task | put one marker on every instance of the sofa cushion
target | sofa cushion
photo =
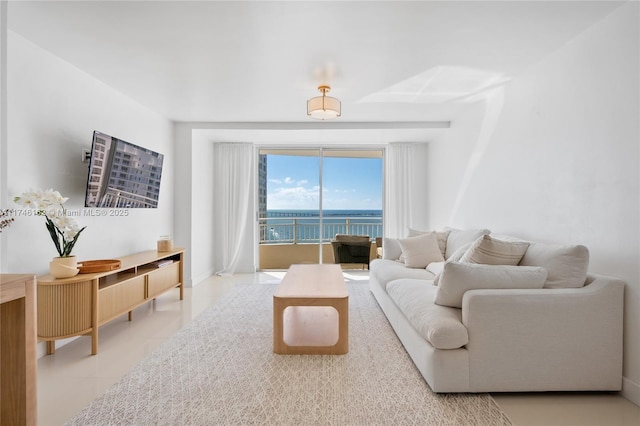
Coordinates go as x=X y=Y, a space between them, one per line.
x=439 y=325
x=442 y=238
x=420 y=251
x=566 y=265
x=391 y=249
x=492 y=251
x=458 y=238
x=457 y=277
x=384 y=270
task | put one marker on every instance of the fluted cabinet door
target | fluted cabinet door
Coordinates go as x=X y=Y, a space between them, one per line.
x=64 y=310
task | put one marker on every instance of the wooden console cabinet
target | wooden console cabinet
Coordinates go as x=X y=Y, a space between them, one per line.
x=80 y=305
x=18 y=363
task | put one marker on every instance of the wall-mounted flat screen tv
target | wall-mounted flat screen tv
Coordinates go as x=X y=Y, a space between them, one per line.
x=122 y=175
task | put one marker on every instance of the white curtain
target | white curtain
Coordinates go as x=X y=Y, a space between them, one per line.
x=398 y=189
x=234 y=172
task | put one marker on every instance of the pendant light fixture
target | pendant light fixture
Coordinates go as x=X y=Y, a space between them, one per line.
x=323 y=107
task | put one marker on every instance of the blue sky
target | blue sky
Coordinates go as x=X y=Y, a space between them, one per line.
x=348 y=183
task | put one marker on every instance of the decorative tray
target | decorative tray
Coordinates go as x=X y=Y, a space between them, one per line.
x=92 y=266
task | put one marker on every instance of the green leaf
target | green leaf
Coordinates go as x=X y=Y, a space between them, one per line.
x=68 y=247
x=53 y=231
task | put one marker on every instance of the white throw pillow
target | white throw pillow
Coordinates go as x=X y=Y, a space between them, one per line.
x=420 y=251
x=566 y=265
x=458 y=238
x=442 y=238
x=456 y=278
x=457 y=255
x=491 y=251
x=435 y=268
x=391 y=248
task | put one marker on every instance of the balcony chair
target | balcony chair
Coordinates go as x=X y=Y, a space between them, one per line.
x=351 y=249
x=378 y=247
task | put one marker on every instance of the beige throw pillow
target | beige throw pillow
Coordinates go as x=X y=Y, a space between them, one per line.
x=459 y=237
x=490 y=251
x=442 y=238
x=420 y=251
x=566 y=265
x=457 y=278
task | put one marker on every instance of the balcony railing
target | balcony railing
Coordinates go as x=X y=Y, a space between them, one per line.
x=294 y=230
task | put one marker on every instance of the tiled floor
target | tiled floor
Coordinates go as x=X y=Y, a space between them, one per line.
x=71 y=378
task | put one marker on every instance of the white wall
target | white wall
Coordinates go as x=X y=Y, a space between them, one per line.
x=183 y=184
x=53 y=109
x=194 y=218
x=202 y=215
x=554 y=156
x=3 y=124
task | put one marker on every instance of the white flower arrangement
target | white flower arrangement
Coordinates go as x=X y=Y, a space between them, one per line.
x=64 y=231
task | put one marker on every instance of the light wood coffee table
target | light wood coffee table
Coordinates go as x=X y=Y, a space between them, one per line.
x=311 y=311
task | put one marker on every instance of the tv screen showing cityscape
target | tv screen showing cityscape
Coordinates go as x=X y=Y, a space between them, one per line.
x=122 y=175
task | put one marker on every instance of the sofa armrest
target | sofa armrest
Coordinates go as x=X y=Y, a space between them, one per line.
x=546 y=339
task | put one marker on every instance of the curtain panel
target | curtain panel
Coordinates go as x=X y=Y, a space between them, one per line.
x=399 y=183
x=234 y=181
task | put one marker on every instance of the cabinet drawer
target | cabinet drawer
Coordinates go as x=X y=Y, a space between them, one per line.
x=120 y=298
x=163 y=279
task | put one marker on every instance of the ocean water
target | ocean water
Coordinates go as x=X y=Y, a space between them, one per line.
x=303 y=226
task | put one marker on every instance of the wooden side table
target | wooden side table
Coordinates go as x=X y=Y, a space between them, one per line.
x=18 y=358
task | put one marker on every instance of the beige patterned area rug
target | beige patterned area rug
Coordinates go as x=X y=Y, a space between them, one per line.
x=221 y=370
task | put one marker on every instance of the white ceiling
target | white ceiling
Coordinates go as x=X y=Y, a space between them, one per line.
x=258 y=61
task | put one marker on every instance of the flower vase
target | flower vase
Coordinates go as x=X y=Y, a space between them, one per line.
x=64 y=267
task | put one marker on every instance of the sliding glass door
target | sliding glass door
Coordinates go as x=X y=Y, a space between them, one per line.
x=352 y=193
x=306 y=196
x=288 y=207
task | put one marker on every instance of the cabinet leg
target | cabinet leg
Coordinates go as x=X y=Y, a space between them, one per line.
x=130 y=315
x=51 y=347
x=94 y=342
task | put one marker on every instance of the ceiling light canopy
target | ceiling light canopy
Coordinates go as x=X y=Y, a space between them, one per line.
x=323 y=107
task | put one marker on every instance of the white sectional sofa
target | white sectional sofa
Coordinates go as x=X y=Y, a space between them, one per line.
x=541 y=324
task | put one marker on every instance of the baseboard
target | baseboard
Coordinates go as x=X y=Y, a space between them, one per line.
x=631 y=391
x=201 y=277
